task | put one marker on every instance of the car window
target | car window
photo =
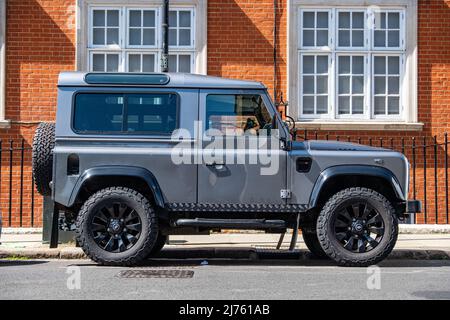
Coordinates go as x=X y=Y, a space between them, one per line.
x=126 y=113
x=237 y=115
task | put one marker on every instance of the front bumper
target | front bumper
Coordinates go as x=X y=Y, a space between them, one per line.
x=413 y=206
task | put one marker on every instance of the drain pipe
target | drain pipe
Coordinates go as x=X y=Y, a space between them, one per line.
x=165 y=37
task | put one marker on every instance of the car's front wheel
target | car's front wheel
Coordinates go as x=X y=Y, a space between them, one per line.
x=357 y=227
x=117 y=226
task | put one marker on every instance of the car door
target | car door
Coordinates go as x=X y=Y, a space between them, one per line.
x=239 y=161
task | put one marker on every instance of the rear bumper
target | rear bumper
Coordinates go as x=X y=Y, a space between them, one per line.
x=413 y=206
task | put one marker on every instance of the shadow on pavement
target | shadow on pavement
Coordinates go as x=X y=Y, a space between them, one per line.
x=12 y=262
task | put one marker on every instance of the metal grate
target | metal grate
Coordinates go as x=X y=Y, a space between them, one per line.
x=178 y=274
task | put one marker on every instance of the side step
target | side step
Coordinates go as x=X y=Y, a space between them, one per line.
x=232 y=223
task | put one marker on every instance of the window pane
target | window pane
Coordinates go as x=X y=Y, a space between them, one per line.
x=99 y=36
x=394 y=39
x=358 y=20
x=113 y=36
x=185 y=37
x=152 y=113
x=322 y=20
x=99 y=18
x=380 y=105
x=344 y=65
x=344 y=20
x=308 y=85
x=135 y=37
x=358 y=65
x=322 y=85
x=173 y=64
x=149 y=37
x=358 y=85
x=322 y=64
x=380 y=38
x=185 y=19
x=358 y=105
x=98 y=112
x=344 y=105
x=322 y=38
x=148 y=63
x=98 y=62
x=308 y=105
x=393 y=105
x=112 y=63
x=135 y=18
x=149 y=18
x=344 y=38
x=308 y=64
x=173 y=23
x=308 y=20
x=322 y=105
x=185 y=63
x=380 y=85
x=394 y=85
x=394 y=20
x=380 y=65
x=358 y=38
x=134 y=63
x=173 y=39
x=308 y=38
x=394 y=65
x=113 y=18
x=344 y=85
x=236 y=114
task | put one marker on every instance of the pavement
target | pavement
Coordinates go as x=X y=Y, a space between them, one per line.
x=223 y=279
x=433 y=246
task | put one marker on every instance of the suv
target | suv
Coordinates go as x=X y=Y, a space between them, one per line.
x=134 y=158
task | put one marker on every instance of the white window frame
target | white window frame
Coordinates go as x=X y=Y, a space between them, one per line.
x=192 y=28
x=366 y=33
x=91 y=28
x=127 y=27
x=106 y=52
x=198 y=49
x=3 y=122
x=409 y=76
x=141 y=55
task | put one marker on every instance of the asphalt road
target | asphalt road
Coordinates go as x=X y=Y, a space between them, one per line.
x=224 y=279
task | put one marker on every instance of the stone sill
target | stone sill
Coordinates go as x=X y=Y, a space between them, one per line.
x=359 y=126
x=5 y=124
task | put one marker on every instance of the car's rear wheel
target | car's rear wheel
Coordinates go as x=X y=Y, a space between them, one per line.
x=117 y=226
x=357 y=227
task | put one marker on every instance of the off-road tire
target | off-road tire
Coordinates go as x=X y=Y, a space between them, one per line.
x=313 y=245
x=159 y=245
x=147 y=239
x=333 y=248
x=43 y=145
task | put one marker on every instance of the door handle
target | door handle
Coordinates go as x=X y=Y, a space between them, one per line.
x=214 y=164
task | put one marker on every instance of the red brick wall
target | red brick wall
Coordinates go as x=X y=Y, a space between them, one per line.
x=41 y=43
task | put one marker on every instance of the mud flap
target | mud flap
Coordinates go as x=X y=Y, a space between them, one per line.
x=54 y=234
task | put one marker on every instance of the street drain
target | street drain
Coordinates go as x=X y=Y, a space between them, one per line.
x=176 y=274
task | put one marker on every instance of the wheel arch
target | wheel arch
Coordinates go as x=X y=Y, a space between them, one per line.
x=97 y=178
x=335 y=179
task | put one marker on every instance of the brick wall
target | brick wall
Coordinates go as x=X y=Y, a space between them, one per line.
x=41 y=43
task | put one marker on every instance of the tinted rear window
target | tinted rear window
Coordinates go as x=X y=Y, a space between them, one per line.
x=126 y=113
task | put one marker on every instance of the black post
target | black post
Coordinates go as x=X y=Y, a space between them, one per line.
x=425 y=178
x=446 y=177
x=11 y=149
x=22 y=155
x=436 y=211
x=165 y=37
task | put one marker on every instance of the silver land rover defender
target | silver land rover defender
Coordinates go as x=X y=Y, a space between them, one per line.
x=134 y=158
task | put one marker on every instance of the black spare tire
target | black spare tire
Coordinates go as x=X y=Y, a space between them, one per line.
x=43 y=144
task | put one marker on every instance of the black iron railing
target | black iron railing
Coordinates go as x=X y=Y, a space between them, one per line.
x=21 y=205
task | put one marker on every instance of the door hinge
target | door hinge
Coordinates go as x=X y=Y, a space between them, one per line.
x=285 y=194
